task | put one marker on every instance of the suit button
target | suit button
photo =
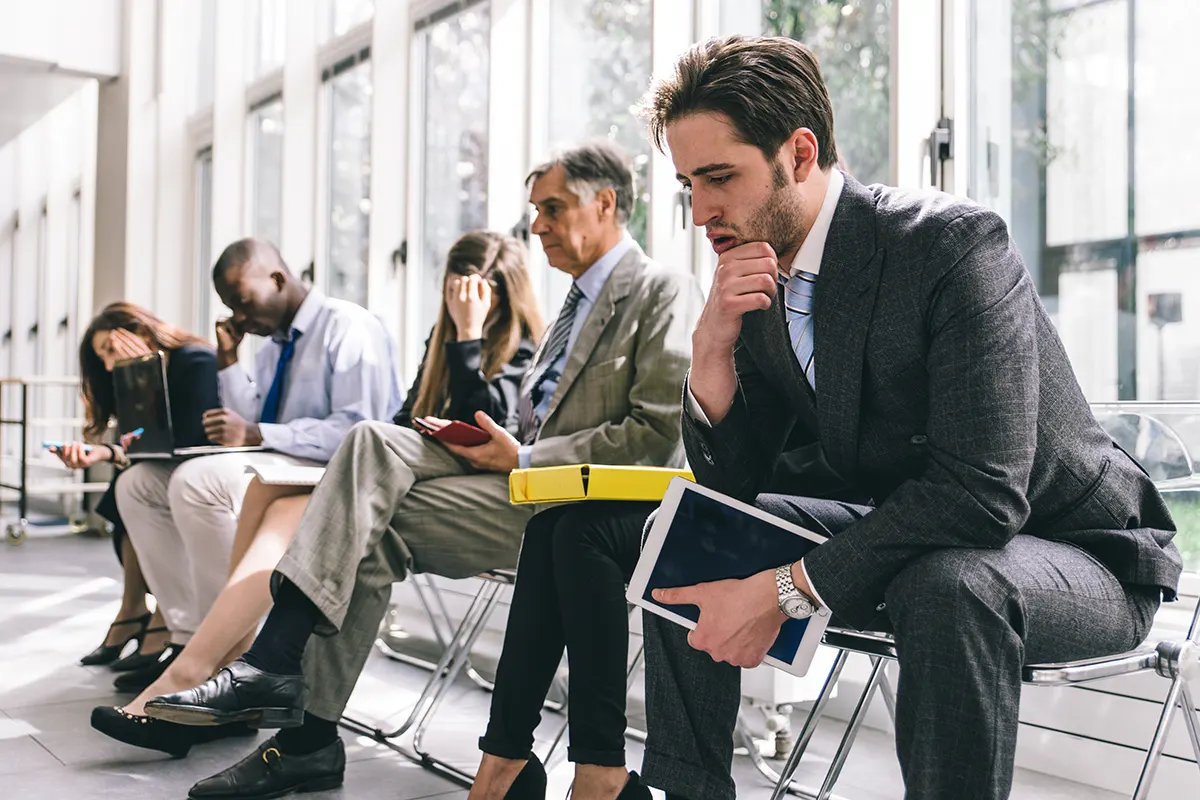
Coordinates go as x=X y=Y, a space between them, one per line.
x=881 y=607
x=920 y=438
x=708 y=457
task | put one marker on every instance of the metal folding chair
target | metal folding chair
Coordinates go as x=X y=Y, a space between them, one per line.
x=455 y=655
x=1177 y=661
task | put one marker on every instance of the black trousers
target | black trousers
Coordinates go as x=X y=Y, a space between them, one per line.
x=965 y=622
x=570 y=592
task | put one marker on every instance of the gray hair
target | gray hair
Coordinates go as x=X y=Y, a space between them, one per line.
x=590 y=168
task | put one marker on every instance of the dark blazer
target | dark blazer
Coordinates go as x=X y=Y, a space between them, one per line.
x=944 y=397
x=470 y=390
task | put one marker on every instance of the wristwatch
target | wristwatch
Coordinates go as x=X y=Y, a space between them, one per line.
x=792 y=602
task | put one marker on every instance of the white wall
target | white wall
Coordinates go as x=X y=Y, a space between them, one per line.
x=43 y=168
x=79 y=36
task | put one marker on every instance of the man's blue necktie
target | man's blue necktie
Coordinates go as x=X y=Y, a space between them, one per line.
x=270 y=409
x=798 y=301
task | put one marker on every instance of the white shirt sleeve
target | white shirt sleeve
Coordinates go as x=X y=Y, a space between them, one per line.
x=813 y=589
x=239 y=393
x=694 y=410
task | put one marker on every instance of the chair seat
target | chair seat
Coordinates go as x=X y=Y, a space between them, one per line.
x=882 y=645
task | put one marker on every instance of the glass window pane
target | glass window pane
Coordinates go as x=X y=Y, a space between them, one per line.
x=345 y=14
x=270 y=41
x=852 y=40
x=349 y=203
x=1087 y=90
x=454 y=163
x=600 y=50
x=1166 y=152
x=267 y=187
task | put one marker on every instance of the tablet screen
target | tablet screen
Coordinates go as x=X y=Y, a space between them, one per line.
x=709 y=541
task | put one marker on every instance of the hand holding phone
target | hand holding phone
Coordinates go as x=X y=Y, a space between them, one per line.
x=76 y=455
x=452 y=431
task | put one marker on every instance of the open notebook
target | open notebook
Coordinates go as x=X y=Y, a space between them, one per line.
x=287 y=474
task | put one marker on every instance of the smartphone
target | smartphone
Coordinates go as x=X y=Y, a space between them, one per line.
x=454 y=432
x=87 y=448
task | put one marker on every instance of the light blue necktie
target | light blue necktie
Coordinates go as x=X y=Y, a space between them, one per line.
x=798 y=301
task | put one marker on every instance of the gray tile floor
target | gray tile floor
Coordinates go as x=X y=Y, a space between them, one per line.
x=58 y=593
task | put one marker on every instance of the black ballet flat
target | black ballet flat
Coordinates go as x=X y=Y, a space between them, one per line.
x=136 y=660
x=155 y=734
x=108 y=653
x=530 y=783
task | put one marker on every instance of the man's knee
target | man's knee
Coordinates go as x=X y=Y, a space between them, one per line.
x=141 y=484
x=210 y=481
x=947 y=587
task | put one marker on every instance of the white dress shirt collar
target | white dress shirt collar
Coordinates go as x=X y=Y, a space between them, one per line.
x=808 y=258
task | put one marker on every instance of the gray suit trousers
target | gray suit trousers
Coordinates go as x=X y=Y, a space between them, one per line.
x=391 y=502
x=965 y=621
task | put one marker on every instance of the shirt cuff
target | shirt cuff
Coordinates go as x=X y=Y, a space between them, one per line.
x=276 y=436
x=811 y=588
x=695 y=411
x=524 y=456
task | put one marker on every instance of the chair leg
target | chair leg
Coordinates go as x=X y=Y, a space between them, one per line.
x=1190 y=717
x=889 y=695
x=1154 y=753
x=783 y=781
x=856 y=721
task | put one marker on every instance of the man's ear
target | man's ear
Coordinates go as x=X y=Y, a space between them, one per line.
x=802 y=145
x=279 y=279
x=606 y=200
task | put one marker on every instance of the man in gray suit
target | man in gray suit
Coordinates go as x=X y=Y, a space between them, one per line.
x=604 y=388
x=895 y=343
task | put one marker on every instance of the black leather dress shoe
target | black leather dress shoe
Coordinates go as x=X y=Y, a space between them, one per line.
x=138 y=679
x=238 y=693
x=154 y=734
x=267 y=773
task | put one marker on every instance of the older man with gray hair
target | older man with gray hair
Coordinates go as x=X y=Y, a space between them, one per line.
x=605 y=388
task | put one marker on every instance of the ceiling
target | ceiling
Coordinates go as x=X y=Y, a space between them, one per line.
x=28 y=91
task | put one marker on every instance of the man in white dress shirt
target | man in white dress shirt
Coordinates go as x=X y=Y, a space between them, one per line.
x=326 y=366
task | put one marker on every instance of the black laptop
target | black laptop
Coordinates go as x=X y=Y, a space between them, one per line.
x=142 y=401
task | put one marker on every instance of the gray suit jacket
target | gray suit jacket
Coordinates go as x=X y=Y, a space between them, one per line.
x=944 y=397
x=618 y=399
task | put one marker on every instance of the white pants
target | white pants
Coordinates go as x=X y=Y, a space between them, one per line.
x=181 y=518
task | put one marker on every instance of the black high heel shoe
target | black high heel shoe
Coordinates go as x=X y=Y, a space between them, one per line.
x=138 y=660
x=155 y=734
x=530 y=783
x=139 y=679
x=107 y=653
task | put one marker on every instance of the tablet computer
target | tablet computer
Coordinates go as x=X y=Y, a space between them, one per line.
x=699 y=535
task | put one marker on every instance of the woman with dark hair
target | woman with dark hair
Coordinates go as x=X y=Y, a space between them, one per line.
x=123 y=331
x=480 y=348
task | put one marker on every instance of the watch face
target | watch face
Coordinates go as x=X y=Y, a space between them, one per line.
x=797 y=608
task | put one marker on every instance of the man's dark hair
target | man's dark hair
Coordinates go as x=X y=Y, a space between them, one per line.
x=593 y=166
x=767 y=86
x=246 y=251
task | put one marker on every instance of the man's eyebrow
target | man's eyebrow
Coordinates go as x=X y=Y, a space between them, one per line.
x=707 y=169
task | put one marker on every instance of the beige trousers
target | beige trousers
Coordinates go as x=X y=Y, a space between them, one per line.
x=181 y=517
x=391 y=502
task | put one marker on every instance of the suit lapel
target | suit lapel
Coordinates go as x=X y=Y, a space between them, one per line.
x=843 y=302
x=616 y=289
